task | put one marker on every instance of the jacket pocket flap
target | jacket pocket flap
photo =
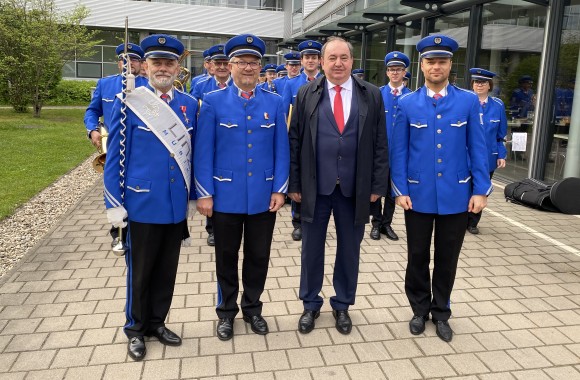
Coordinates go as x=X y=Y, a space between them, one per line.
x=413 y=177
x=138 y=185
x=464 y=177
x=269 y=173
x=108 y=100
x=228 y=124
x=268 y=125
x=461 y=121
x=223 y=175
x=418 y=123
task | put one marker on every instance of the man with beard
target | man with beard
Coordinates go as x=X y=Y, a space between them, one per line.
x=147 y=179
x=101 y=106
x=439 y=172
x=241 y=176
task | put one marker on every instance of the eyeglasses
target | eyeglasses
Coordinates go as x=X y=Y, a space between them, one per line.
x=243 y=64
x=221 y=63
x=395 y=71
x=480 y=82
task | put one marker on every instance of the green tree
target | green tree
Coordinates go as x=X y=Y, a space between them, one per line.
x=35 y=42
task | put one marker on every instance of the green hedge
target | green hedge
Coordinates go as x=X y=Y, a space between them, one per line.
x=72 y=93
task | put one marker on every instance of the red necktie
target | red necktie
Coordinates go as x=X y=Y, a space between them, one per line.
x=482 y=103
x=247 y=95
x=437 y=96
x=395 y=92
x=165 y=98
x=338 y=111
x=221 y=85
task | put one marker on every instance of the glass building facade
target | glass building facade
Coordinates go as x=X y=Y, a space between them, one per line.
x=514 y=38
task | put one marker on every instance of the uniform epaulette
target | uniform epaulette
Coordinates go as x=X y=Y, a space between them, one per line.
x=497 y=100
x=263 y=89
x=407 y=94
x=203 y=80
x=111 y=76
x=467 y=91
x=185 y=93
x=219 y=89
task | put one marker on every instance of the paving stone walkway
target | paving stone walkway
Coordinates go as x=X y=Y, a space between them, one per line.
x=516 y=309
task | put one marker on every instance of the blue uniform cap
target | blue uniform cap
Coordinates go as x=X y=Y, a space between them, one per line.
x=437 y=45
x=206 y=55
x=263 y=71
x=408 y=75
x=396 y=58
x=481 y=74
x=280 y=68
x=525 y=78
x=133 y=50
x=245 y=44
x=310 y=47
x=162 y=46
x=270 y=67
x=292 y=58
x=358 y=71
x=217 y=52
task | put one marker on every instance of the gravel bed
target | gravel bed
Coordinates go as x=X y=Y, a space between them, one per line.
x=31 y=221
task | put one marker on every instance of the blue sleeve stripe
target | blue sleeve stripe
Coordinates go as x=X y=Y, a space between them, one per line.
x=203 y=192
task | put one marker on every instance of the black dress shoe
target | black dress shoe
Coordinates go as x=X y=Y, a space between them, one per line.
x=443 y=330
x=257 y=323
x=136 y=348
x=297 y=234
x=166 y=336
x=210 y=240
x=375 y=233
x=225 y=328
x=417 y=324
x=389 y=232
x=343 y=322
x=306 y=322
x=473 y=230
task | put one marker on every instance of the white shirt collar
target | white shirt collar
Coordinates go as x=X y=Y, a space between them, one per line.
x=345 y=86
x=170 y=93
x=399 y=89
x=443 y=92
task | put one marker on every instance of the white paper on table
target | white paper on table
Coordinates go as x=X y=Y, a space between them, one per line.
x=519 y=141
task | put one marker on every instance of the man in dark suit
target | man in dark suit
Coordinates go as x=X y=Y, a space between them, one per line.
x=338 y=162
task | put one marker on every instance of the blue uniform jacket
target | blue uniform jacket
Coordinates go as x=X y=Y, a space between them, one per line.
x=241 y=154
x=155 y=190
x=391 y=101
x=522 y=102
x=103 y=99
x=438 y=151
x=195 y=80
x=206 y=85
x=279 y=84
x=495 y=127
x=270 y=87
x=291 y=89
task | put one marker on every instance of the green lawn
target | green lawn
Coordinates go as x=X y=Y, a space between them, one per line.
x=34 y=152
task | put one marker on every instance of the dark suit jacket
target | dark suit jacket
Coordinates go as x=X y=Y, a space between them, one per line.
x=372 y=166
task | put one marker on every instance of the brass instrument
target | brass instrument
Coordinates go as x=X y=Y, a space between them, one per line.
x=184 y=74
x=99 y=161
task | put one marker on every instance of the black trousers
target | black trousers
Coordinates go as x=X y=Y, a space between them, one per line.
x=151 y=261
x=384 y=217
x=426 y=296
x=257 y=232
x=295 y=207
x=473 y=219
x=208 y=225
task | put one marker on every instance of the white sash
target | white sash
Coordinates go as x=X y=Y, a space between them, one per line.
x=165 y=124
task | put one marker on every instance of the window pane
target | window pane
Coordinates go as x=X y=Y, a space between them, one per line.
x=88 y=70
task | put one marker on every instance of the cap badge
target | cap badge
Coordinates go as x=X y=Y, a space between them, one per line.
x=395 y=55
x=161 y=40
x=479 y=71
x=310 y=44
x=249 y=40
x=129 y=46
x=220 y=48
x=437 y=40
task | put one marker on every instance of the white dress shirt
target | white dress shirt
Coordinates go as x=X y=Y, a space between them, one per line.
x=345 y=92
x=443 y=92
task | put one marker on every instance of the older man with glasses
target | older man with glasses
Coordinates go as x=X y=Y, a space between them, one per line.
x=241 y=180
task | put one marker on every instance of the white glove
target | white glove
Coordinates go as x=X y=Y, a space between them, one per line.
x=186 y=242
x=191 y=208
x=116 y=216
